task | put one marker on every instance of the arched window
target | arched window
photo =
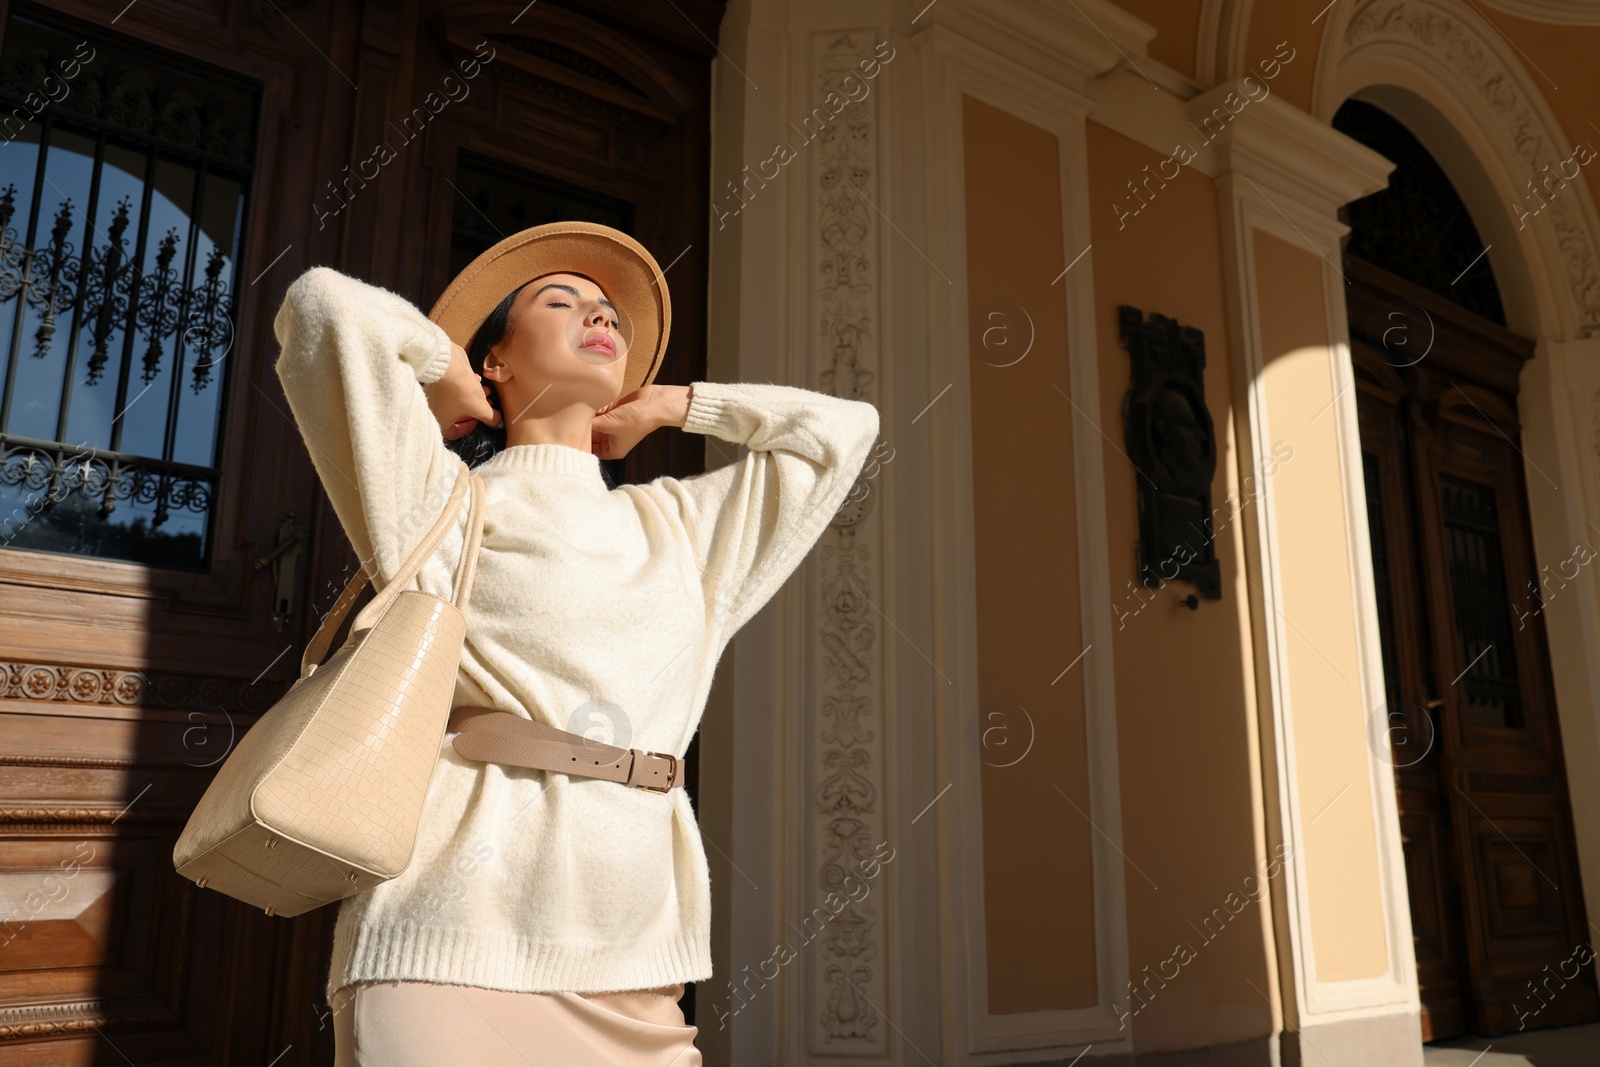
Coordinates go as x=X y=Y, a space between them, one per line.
x=123 y=180
x=1418 y=228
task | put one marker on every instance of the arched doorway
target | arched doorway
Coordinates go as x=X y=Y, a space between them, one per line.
x=1497 y=909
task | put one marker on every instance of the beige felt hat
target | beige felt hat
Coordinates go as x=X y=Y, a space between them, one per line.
x=614 y=261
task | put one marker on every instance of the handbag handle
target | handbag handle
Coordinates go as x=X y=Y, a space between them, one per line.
x=466 y=569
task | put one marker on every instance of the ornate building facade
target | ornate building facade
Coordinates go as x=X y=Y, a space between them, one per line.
x=1202 y=670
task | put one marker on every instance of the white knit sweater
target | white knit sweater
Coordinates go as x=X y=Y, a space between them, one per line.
x=603 y=612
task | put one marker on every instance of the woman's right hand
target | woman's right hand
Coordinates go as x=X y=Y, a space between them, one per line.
x=459 y=400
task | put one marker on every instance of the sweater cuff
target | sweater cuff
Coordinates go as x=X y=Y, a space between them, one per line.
x=708 y=411
x=429 y=355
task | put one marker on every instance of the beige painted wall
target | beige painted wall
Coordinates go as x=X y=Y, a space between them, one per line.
x=1038 y=875
x=1559 y=59
x=1191 y=794
x=1177 y=24
x=1289 y=21
x=1331 y=748
x=1192 y=815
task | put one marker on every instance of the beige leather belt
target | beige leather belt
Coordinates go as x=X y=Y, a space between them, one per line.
x=493 y=736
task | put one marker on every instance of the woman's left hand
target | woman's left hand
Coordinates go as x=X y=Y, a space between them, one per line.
x=625 y=421
x=459 y=399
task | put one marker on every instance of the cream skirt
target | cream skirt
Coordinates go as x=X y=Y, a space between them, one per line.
x=423 y=1024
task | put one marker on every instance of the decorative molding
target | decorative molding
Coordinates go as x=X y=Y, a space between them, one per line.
x=1086 y=39
x=1303 y=161
x=1219 y=49
x=624 y=83
x=50 y=1020
x=544 y=89
x=270 y=17
x=1248 y=209
x=1559 y=406
x=121 y=86
x=845 y=977
x=68 y=815
x=954 y=65
x=32 y=1021
x=1559 y=12
x=105 y=763
x=1469 y=52
x=575 y=59
x=70 y=684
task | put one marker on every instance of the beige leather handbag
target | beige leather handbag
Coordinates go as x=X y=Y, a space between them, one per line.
x=323 y=795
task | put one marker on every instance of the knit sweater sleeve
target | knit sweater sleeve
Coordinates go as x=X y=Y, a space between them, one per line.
x=354 y=358
x=751 y=522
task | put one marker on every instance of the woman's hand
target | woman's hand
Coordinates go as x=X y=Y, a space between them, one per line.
x=625 y=421
x=460 y=400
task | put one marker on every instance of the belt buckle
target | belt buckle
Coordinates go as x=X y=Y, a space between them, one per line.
x=672 y=773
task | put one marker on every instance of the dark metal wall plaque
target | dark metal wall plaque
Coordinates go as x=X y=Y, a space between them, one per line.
x=1173 y=448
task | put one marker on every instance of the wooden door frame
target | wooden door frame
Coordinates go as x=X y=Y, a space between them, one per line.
x=113 y=732
x=110 y=759
x=214 y=609
x=1483 y=363
x=1413 y=729
x=1471 y=99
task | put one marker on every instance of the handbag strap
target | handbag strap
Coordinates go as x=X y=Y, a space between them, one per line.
x=466 y=566
x=466 y=570
x=493 y=736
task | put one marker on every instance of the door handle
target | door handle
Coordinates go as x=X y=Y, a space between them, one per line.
x=283 y=559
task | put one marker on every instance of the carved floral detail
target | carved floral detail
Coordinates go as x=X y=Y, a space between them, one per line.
x=846 y=799
x=1462 y=49
x=107 y=686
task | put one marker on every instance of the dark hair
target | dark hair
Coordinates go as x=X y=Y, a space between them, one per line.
x=485 y=441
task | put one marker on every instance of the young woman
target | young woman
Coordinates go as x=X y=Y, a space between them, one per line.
x=550 y=918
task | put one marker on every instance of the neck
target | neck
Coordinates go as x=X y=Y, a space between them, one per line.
x=572 y=426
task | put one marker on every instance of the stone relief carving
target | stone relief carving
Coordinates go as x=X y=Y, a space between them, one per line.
x=849 y=752
x=1462 y=49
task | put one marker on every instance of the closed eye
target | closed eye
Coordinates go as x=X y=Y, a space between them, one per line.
x=615 y=325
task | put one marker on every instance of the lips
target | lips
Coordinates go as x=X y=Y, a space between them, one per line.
x=600 y=341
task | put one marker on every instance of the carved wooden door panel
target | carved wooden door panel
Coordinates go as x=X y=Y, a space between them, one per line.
x=1491 y=862
x=164 y=175
x=1410 y=716
x=154 y=562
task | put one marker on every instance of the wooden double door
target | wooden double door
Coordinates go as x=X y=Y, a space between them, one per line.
x=1501 y=937
x=165 y=549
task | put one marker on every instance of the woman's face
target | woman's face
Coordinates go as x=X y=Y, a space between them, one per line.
x=563 y=345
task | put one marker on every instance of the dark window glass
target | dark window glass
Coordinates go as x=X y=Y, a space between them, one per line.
x=1482 y=605
x=1377 y=526
x=1418 y=227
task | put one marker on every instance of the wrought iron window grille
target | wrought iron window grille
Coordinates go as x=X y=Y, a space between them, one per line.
x=132 y=291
